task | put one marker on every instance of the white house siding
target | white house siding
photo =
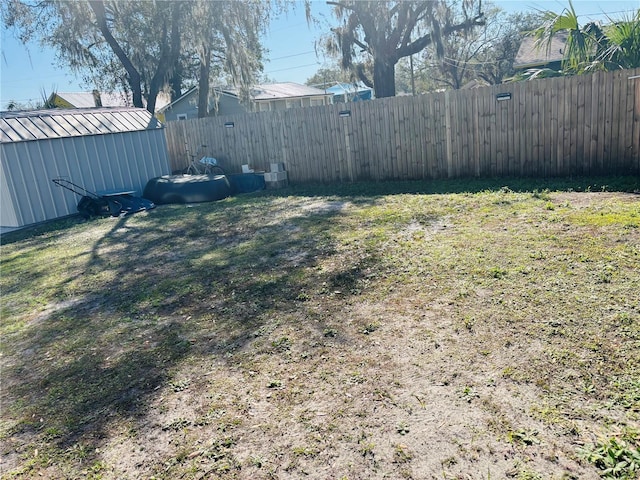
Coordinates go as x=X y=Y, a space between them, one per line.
x=97 y=162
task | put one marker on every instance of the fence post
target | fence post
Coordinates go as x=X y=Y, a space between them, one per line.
x=447 y=123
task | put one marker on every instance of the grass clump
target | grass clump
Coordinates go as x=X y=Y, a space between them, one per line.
x=616 y=457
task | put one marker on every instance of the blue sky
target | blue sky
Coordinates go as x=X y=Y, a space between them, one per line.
x=25 y=71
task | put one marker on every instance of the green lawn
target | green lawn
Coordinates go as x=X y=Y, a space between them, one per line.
x=445 y=330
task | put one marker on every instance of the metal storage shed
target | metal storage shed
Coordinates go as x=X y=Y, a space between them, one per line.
x=98 y=148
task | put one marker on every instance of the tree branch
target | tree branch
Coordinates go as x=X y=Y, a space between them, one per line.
x=134 y=76
x=422 y=42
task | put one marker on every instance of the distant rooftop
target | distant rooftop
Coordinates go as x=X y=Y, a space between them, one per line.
x=99 y=99
x=279 y=91
x=530 y=56
x=21 y=126
x=88 y=99
x=342 y=87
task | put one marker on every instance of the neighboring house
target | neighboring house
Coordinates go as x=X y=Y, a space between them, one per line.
x=186 y=107
x=531 y=56
x=475 y=83
x=98 y=99
x=348 y=92
x=97 y=148
x=280 y=96
x=226 y=100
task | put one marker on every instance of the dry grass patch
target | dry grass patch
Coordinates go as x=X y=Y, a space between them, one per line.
x=339 y=334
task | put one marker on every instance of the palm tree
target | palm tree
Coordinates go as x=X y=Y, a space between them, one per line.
x=624 y=42
x=592 y=46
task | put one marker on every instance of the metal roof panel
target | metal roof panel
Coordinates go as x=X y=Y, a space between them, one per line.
x=45 y=130
x=62 y=123
x=77 y=122
x=24 y=132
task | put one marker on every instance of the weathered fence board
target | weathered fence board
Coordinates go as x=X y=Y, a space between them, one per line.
x=636 y=123
x=552 y=127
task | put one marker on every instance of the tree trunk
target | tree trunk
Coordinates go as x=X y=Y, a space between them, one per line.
x=133 y=77
x=168 y=58
x=203 y=82
x=175 y=82
x=384 y=78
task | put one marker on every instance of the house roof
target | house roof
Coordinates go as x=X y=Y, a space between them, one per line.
x=23 y=126
x=88 y=99
x=107 y=99
x=531 y=56
x=181 y=98
x=341 y=88
x=350 y=91
x=286 y=90
x=260 y=93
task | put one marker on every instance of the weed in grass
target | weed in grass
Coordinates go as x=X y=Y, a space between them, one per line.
x=282 y=344
x=468 y=323
x=541 y=194
x=370 y=328
x=626 y=392
x=179 y=385
x=178 y=424
x=616 y=457
x=497 y=272
x=449 y=462
x=468 y=393
x=402 y=428
x=523 y=437
x=51 y=433
x=227 y=424
x=303 y=296
x=330 y=332
x=547 y=413
x=305 y=451
x=401 y=453
x=256 y=461
x=366 y=446
x=526 y=474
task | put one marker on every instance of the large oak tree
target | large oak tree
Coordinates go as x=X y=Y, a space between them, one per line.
x=146 y=46
x=382 y=32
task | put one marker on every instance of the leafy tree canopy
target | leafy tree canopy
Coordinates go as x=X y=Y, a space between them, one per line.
x=375 y=35
x=145 y=46
x=484 y=54
x=594 y=46
x=327 y=77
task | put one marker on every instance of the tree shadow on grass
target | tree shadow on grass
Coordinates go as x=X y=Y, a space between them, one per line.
x=81 y=362
x=143 y=303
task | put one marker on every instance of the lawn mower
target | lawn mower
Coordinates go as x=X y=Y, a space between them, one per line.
x=106 y=204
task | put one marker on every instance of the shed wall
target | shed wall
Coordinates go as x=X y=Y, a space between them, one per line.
x=96 y=162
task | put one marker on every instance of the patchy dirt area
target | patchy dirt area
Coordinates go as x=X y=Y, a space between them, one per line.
x=449 y=336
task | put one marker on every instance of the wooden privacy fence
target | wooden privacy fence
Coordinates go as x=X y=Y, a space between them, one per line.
x=580 y=125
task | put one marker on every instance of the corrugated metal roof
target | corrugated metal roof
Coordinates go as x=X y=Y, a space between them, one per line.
x=62 y=123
